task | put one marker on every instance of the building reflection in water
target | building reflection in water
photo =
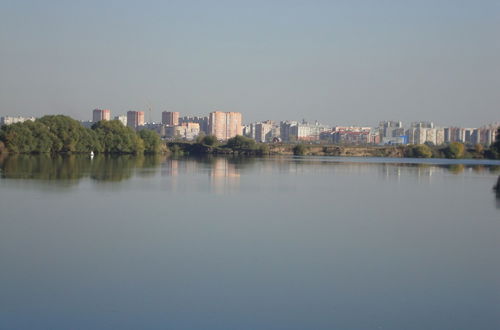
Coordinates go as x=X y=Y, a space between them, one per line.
x=212 y=173
x=422 y=172
x=224 y=176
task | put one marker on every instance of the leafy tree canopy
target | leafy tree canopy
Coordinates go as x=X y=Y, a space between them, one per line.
x=117 y=138
x=208 y=140
x=454 y=150
x=418 y=151
x=152 y=141
x=241 y=143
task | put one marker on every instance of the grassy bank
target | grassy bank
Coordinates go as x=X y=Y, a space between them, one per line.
x=245 y=146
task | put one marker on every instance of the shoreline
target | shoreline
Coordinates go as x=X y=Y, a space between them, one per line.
x=271 y=156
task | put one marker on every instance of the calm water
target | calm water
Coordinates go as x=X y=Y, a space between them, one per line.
x=228 y=243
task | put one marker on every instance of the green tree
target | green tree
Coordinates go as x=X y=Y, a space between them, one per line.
x=27 y=137
x=18 y=138
x=207 y=140
x=241 y=143
x=152 y=141
x=117 y=139
x=418 y=151
x=262 y=149
x=68 y=135
x=454 y=150
x=299 y=150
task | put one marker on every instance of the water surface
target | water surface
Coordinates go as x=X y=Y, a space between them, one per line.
x=248 y=243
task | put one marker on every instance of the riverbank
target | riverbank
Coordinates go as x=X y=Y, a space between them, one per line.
x=245 y=146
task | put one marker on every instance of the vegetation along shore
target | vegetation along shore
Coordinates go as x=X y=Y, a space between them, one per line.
x=57 y=134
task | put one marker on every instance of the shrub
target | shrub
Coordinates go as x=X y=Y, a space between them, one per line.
x=454 y=150
x=418 y=151
x=299 y=150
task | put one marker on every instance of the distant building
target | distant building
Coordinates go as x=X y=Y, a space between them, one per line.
x=488 y=135
x=202 y=121
x=99 y=114
x=391 y=129
x=484 y=135
x=468 y=136
x=453 y=134
x=422 y=124
x=7 y=120
x=420 y=135
x=122 y=119
x=439 y=136
x=416 y=135
x=248 y=131
x=394 y=140
x=264 y=131
x=156 y=127
x=135 y=119
x=286 y=131
x=225 y=125
x=170 y=118
x=294 y=131
x=357 y=135
x=185 y=131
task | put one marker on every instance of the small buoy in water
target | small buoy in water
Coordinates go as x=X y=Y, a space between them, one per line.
x=91 y=154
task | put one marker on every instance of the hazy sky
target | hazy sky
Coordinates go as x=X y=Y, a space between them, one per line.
x=340 y=62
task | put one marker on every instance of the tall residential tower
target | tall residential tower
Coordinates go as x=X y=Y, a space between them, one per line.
x=135 y=119
x=170 y=118
x=225 y=125
x=98 y=115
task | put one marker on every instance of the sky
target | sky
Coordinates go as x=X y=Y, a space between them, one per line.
x=349 y=62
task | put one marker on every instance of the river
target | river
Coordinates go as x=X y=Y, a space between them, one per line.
x=248 y=243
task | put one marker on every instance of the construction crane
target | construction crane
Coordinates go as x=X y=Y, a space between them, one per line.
x=150 y=108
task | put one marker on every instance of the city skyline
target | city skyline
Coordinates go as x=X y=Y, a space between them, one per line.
x=353 y=63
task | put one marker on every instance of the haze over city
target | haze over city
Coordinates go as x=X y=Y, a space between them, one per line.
x=350 y=62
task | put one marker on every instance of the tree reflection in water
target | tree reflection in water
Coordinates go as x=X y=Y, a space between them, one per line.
x=72 y=168
x=69 y=169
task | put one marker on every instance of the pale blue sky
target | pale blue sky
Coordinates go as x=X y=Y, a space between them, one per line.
x=340 y=62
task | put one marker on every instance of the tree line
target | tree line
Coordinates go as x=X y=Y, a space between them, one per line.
x=208 y=144
x=62 y=134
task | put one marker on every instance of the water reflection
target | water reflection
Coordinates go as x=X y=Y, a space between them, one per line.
x=223 y=173
x=44 y=167
x=71 y=168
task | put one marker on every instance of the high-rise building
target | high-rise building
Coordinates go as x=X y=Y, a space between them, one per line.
x=225 y=125
x=99 y=114
x=439 y=136
x=423 y=124
x=135 y=119
x=122 y=119
x=286 y=128
x=391 y=129
x=170 y=118
x=263 y=131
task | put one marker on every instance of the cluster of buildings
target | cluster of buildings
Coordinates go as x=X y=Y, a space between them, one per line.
x=393 y=132
x=225 y=125
x=387 y=132
x=8 y=120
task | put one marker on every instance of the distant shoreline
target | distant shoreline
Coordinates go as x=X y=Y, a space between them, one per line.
x=311 y=150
